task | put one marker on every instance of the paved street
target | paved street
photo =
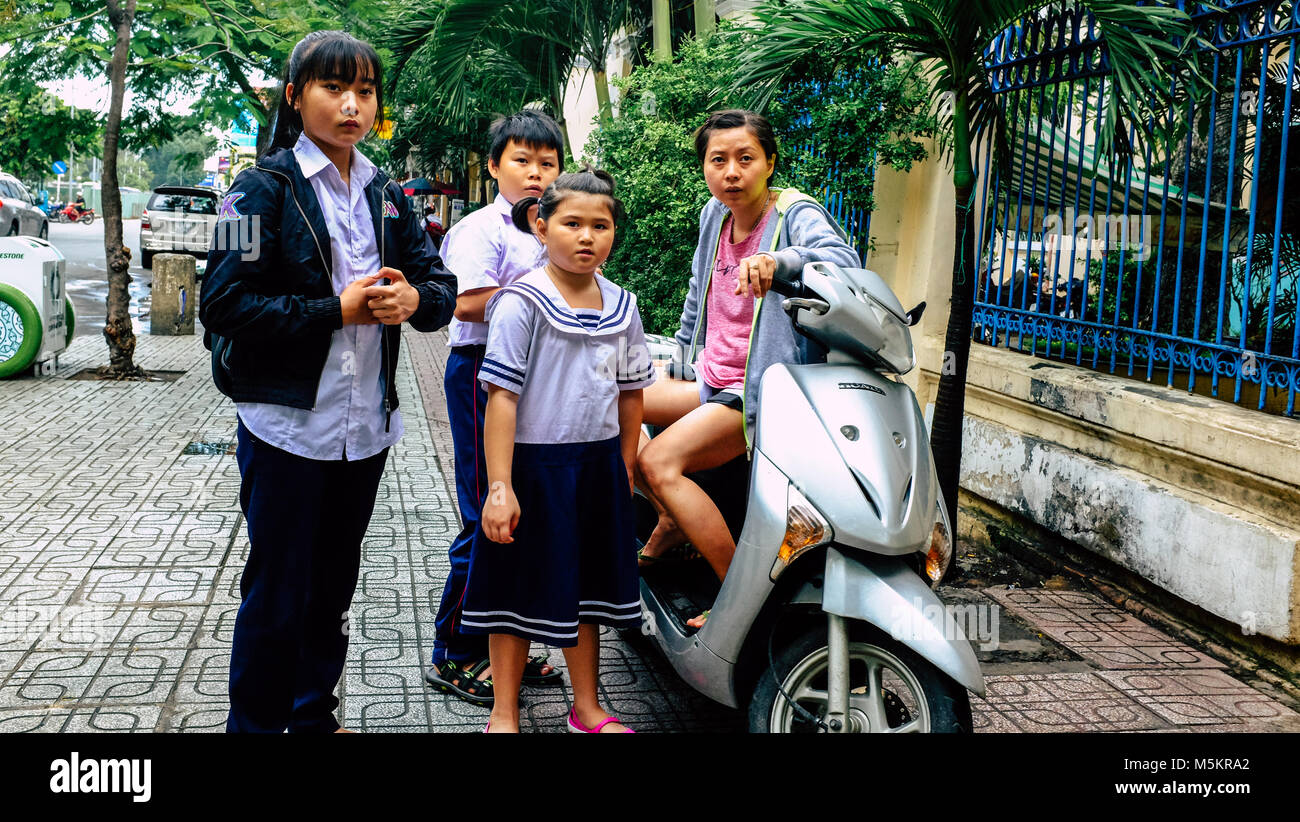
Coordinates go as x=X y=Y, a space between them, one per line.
x=121 y=545
x=86 y=276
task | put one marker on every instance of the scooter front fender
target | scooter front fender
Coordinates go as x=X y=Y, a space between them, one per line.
x=885 y=592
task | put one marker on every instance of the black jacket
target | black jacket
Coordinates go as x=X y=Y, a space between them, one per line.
x=268 y=320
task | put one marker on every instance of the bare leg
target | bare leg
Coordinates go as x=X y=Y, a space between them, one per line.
x=583 y=661
x=508 y=654
x=665 y=402
x=707 y=437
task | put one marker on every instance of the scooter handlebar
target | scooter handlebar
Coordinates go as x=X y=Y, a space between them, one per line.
x=787 y=288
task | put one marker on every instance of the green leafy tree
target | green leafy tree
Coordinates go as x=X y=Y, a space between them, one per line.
x=179 y=161
x=160 y=47
x=1147 y=46
x=649 y=148
x=476 y=58
x=36 y=128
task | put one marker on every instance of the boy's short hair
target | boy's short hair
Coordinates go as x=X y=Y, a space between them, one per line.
x=530 y=127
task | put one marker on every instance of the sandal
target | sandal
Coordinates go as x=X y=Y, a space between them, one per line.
x=576 y=727
x=534 y=677
x=463 y=682
x=677 y=553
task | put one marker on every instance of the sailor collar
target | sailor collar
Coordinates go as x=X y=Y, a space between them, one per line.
x=619 y=305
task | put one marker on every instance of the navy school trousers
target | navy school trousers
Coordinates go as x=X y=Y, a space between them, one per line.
x=306 y=520
x=466 y=406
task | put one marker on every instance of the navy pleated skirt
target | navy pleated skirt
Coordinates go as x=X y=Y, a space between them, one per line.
x=573 y=558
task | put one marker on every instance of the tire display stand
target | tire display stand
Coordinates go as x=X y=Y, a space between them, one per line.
x=37 y=320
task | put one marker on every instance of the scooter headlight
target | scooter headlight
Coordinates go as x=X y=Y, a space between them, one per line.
x=805 y=528
x=939 y=555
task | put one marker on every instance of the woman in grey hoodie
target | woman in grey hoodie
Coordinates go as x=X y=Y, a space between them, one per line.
x=749 y=234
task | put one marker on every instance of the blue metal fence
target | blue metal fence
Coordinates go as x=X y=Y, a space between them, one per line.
x=1180 y=267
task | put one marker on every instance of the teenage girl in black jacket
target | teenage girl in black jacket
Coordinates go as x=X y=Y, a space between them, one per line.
x=316 y=261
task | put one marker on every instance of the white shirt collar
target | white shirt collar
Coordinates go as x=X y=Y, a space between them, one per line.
x=313 y=161
x=502 y=205
x=618 y=304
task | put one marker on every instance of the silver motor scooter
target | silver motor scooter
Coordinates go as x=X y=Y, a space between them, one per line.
x=827 y=621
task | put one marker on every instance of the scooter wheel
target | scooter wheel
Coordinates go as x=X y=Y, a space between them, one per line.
x=88 y=218
x=913 y=695
x=20 y=331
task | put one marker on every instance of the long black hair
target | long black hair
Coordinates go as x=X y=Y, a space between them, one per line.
x=324 y=55
x=586 y=180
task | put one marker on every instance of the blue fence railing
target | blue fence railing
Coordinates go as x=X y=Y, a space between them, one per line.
x=1181 y=267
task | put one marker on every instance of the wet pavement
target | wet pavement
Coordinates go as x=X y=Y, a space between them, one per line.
x=86 y=275
x=122 y=543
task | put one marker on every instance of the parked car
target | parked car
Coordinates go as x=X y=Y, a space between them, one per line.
x=178 y=219
x=18 y=215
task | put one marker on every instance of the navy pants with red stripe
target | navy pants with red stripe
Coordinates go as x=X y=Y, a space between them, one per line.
x=466 y=405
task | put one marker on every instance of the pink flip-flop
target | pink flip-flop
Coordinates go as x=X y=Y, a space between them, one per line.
x=576 y=727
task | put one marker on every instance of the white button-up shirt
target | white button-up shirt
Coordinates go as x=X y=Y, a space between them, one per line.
x=348 y=417
x=567 y=365
x=485 y=250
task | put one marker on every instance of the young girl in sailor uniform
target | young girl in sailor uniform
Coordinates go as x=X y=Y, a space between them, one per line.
x=566 y=360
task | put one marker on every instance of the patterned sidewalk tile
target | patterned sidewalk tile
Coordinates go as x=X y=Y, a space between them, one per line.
x=1044 y=703
x=1204 y=698
x=1098 y=631
x=121 y=556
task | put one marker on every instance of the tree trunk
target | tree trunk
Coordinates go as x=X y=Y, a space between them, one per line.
x=564 y=132
x=705 y=18
x=662 y=27
x=602 y=97
x=950 y=401
x=117 y=323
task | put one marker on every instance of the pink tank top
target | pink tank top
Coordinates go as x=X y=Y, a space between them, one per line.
x=729 y=318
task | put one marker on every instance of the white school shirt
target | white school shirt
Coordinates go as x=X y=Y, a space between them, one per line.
x=568 y=366
x=485 y=250
x=348 y=415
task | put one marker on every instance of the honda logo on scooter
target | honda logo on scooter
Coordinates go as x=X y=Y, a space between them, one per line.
x=862 y=386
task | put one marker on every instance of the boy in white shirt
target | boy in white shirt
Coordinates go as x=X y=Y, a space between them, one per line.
x=486 y=252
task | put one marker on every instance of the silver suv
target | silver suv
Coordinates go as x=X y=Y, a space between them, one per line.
x=17 y=214
x=178 y=219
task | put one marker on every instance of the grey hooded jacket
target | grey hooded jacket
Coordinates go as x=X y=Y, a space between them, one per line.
x=800 y=232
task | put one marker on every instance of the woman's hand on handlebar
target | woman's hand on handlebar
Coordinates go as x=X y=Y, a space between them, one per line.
x=754 y=275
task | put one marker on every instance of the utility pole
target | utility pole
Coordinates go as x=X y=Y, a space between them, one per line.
x=72 y=155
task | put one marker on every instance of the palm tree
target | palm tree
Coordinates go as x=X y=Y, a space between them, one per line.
x=534 y=46
x=1145 y=45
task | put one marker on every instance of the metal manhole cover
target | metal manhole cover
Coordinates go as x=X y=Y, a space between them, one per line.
x=92 y=373
x=211 y=448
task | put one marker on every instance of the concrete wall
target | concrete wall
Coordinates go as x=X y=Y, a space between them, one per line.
x=1195 y=495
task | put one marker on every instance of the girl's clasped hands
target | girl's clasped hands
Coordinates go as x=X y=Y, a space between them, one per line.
x=366 y=302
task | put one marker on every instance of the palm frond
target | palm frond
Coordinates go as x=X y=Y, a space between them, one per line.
x=794 y=31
